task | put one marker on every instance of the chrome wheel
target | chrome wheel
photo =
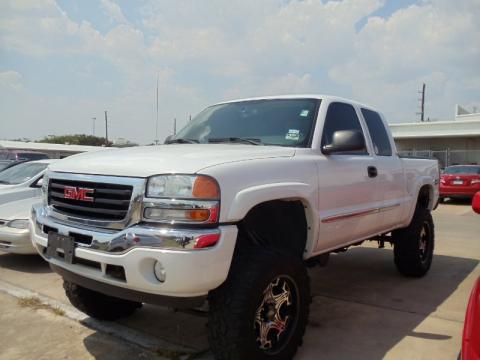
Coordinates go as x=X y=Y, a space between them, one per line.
x=276 y=316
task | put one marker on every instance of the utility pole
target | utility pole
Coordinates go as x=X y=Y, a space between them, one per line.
x=106 y=129
x=422 y=104
x=175 y=126
x=93 y=127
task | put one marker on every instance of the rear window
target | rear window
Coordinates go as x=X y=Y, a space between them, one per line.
x=468 y=170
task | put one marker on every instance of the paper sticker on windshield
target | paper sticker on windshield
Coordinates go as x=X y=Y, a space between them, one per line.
x=304 y=113
x=293 y=134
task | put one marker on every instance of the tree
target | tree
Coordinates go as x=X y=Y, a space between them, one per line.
x=78 y=139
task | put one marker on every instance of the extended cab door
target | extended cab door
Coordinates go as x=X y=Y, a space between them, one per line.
x=391 y=175
x=349 y=196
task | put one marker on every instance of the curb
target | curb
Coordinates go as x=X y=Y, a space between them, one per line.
x=117 y=330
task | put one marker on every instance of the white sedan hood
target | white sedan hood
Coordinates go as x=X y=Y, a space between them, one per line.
x=151 y=160
x=18 y=209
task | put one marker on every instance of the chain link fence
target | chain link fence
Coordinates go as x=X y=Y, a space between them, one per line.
x=447 y=157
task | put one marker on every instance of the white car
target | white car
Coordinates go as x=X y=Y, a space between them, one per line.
x=14 y=231
x=22 y=181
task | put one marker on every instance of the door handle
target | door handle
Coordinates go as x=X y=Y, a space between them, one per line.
x=372 y=171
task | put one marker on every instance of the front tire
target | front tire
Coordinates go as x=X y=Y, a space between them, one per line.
x=98 y=305
x=261 y=311
x=413 y=245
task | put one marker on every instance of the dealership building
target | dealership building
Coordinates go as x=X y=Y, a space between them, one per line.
x=451 y=142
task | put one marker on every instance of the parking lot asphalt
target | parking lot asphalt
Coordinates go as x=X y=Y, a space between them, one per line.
x=362 y=308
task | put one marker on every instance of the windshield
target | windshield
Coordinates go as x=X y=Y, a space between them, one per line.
x=4 y=164
x=21 y=173
x=471 y=170
x=284 y=122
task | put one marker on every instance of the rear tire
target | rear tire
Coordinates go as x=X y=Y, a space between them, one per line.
x=98 y=305
x=413 y=245
x=441 y=200
x=261 y=310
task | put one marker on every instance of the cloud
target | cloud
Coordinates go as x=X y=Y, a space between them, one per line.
x=210 y=51
x=114 y=11
x=432 y=43
x=11 y=80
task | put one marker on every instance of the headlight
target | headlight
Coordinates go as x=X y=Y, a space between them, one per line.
x=182 y=199
x=183 y=186
x=18 y=224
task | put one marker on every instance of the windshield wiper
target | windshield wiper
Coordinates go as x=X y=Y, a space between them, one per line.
x=182 y=141
x=250 y=141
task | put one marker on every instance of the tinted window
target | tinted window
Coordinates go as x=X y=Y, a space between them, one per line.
x=473 y=170
x=340 y=116
x=378 y=133
x=284 y=122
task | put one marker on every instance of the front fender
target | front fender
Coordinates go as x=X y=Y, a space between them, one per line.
x=247 y=198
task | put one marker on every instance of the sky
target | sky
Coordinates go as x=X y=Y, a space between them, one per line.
x=65 y=62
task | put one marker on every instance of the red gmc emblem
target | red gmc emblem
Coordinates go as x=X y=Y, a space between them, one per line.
x=77 y=193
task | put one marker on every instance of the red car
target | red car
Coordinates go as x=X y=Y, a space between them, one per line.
x=471 y=329
x=460 y=181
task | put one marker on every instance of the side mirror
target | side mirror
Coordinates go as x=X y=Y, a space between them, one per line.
x=476 y=203
x=167 y=139
x=345 y=140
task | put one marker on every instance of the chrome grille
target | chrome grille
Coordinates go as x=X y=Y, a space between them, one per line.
x=111 y=202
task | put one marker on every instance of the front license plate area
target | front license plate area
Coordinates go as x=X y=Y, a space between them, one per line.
x=60 y=247
x=457 y=182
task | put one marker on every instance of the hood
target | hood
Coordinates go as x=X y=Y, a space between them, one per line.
x=18 y=209
x=151 y=160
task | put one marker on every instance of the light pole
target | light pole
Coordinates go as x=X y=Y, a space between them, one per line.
x=156 y=121
x=93 y=126
x=106 y=129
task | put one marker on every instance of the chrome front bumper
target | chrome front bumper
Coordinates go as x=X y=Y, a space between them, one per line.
x=136 y=249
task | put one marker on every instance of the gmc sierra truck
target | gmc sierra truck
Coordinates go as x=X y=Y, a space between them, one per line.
x=231 y=210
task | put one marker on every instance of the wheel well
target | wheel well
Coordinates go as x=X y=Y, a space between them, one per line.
x=278 y=223
x=424 y=196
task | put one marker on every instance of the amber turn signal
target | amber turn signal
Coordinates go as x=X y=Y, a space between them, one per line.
x=205 y=187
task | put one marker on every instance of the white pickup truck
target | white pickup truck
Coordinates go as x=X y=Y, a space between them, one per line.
x=231 y=210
